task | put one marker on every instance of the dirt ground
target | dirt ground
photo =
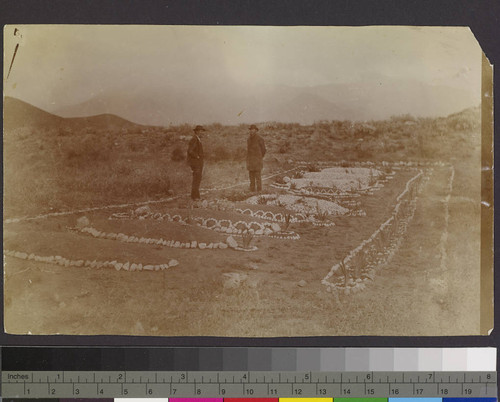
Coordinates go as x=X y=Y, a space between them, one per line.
x=430 y=287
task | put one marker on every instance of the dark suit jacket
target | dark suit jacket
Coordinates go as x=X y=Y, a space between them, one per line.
x=195 y=153
x=256 y=149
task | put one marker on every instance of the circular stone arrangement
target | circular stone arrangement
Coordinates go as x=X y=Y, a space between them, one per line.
x=66 y=262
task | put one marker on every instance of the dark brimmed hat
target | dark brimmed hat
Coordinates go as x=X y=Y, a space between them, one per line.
x=199 y=128
x=253 y=127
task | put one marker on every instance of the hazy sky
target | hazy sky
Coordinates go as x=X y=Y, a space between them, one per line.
x=60 y=65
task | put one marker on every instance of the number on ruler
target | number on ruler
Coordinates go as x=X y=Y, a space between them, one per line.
x=273 y=391
x=249 y=391
x=370 y=391
x=468 y=391
x=297 y=391
x=322 y=391
x=444 y=391
x=419 y=391
x=395 y=391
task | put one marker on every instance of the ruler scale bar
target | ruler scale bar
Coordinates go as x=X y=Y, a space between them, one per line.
x=247 y=384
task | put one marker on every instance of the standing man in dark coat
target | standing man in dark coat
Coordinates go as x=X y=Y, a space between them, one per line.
x=256 y=149
x=195 y=161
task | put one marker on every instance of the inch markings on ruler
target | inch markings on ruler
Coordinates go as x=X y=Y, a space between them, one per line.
x=249 y=384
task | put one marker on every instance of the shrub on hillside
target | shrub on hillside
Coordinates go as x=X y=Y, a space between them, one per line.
x=312 y=167
x=285 y=147
x=177 y=154
x=88 y=150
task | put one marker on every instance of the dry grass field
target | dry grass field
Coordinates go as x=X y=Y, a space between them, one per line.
x=428 y=286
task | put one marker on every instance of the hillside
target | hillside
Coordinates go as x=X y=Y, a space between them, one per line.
x=18 y=113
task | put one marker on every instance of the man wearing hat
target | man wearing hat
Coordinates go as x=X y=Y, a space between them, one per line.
x=195 y=161
x=256 y=149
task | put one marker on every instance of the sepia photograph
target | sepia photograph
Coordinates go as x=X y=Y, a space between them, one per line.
x=246 y=181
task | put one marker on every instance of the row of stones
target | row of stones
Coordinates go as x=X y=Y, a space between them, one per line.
x=444 y=236
x=408 y=191
x=379 y=258
x=375 y=164
x=240 y=228
x=279 y=217
x=66 y=262
x=145 y=240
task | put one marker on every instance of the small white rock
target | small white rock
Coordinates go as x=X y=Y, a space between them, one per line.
x=82 y=222
x=202 y=245
x=275 y=227
x=173 y=263
x=231 y=242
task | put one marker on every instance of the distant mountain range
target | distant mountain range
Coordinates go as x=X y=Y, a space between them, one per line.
x=373 y=99
x=21 y=114
x=370 y=101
